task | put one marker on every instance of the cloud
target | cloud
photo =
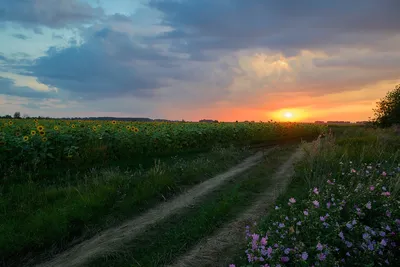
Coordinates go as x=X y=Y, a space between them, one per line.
x=49 y=13
x=365 y=60
x=287 y=26
x=20 y=36
x=8 y=87
x=109 y=63
x=185 y=58
x=38 y=30
x=56 y=36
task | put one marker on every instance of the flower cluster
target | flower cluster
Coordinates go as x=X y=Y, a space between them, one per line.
x=352 y=220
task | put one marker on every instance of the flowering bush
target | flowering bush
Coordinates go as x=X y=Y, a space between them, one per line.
x=353 y=220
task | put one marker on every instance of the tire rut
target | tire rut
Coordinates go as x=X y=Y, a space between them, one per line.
x=218 y=249
x=111 y=239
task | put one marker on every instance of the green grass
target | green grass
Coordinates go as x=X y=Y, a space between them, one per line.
x=40 y=217
x=167 y=240
x=349 y=148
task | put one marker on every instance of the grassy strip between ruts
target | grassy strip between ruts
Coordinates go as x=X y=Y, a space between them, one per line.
x=341 y=208
x=37 y=218
x=169 y=239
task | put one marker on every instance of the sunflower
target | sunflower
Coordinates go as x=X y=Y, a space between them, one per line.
x=136 y=130
x=33 y=132
x=128 y=127
x=114 y=122
x=56 y=128
x=42 y=133
x=10 y=123
x=40 y=128
x=73 y=126
x=44 y=139
x=25 y=138
x=17 y=134
x=35 y=120
x=94 y=128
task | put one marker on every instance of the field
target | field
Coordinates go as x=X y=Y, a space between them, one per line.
x=65 y=180
x=37 y=144
x=91 y=193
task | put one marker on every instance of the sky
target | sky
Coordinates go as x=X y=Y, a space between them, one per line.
x=198 y=59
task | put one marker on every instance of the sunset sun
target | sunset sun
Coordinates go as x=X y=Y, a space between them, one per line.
x=288 y=115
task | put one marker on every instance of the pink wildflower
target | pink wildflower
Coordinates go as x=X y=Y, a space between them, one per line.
x=305 y=212
x=316 y=203
x=263 y=241
x=387 y=194
x=384 y=173
x=255 y=237
x=292 y=200
x=315 y=190
x=285 y=259
x=232 y=265
x=372 y=188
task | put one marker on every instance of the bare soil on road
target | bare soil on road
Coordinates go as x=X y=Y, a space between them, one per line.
x=111 y=239
x=218 y=249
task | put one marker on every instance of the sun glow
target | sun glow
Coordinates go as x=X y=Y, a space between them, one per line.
x=288 y=114
x=293 y=115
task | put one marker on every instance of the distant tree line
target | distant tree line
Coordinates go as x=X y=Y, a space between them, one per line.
x=17 y=115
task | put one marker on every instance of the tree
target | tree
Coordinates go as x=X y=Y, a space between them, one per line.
x=17 y=115
x=387 y=110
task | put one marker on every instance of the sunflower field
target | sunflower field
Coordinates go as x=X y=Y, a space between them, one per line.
x=33 y=142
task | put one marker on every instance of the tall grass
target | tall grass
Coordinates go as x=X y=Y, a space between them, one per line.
x=342 y=208
x=35 y=216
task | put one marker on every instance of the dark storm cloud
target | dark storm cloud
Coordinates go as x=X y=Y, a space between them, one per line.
x=50 y=13
x=7 y=87
x=280 y=25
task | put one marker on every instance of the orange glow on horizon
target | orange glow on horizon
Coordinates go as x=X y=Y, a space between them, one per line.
x=293 y=115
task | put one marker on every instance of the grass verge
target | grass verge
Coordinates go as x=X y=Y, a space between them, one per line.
x=169 y=239
x=341 y=208
x=37 y=217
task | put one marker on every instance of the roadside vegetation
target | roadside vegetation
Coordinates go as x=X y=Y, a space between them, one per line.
x=342 y=208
